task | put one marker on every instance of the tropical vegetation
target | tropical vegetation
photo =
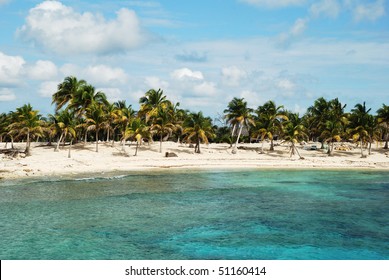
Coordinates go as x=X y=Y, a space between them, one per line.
x=82 y=114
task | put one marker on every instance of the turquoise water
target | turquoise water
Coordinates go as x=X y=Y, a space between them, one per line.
x=251 y=214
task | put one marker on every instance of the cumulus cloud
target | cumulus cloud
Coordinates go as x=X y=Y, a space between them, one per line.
x=205 y=89
x=113 y=94
x=156 y=83
x=42 y=70
x=186 y=73
x=47 y=89
x=11 y=69
x=60 y=29
x=329 y=8
x=370 y=11
x=103 y=74
x=7 y=94
x=232 y=75
x=274 y=3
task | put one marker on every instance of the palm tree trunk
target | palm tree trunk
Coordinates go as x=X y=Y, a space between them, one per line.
x=70 y=148
x=86 y=136
x=297 y=152
x=271 y=144
x=198 y=146
x=108 y=135
x=136 y=149
x=97 y=140
x=27 y=151
x=233 y=131
x=370 y=148
x=160 y=144
x=123 y=146
x=59 y=141
x=361 y=148
x=237 y=140
x=263 y=142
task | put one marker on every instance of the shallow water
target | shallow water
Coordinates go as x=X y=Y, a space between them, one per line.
x=240 y=214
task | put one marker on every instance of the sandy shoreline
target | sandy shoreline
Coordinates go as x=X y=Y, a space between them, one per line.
x=84 y=160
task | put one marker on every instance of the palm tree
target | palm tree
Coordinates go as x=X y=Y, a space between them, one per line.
x=28 y=123
x=137 y=130
x=124 y=115
x=270 y=118
x=332 y=133
x=111 y=116
x=238 y=115
x=359 y=123
x=294 y=132
x=85 y=97
x=163 y=124
x=383 y=120
x=95 y=119
x=151 y=102
x=64 y=124
x=66 y=91
x=318 y=115
x=198 y=128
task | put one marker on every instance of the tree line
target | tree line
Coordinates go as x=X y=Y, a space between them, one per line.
x=82 y=115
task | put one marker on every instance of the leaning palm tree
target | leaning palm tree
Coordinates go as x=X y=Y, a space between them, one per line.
x=95 y=119
x=124 y=115
x=383 y=120
x=66 y=91
x=239 y=116
x=198 y=129
x=28 y=123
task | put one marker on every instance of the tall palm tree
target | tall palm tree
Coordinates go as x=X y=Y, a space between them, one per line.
x=270 y=118
x=198 y=128
x=332 y=133
x=163 y=124
x=383 y=120
x=28 y=123
x=111 y=116
x=294 y=132
x=151 y=102
x=64 y=125
x=66 y=91
x=239 y=116
x=95 y=120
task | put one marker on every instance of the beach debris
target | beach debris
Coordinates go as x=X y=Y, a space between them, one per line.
x=168 y=154
x=249 y=148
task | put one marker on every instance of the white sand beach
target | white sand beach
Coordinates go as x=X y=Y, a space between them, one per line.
x=45 y=162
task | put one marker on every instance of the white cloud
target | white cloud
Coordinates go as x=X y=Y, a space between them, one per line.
x=42 y=70
x=156 y=83
x=274 y=3
x=298 y=28
x=329 y=8
x=286 y=84
x=11 y=69
x=186 y=73
x=371 y=11
x=46 y=89
x=252 y=98
x=7 y=94
x=103 y=74
x=205 y=88
x=60 y=29
x=233 y=75
x=113 y=94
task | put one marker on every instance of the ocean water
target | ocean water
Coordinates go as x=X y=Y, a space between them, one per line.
x=230 y=214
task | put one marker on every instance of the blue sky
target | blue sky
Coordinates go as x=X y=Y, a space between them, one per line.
x=201 y=53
